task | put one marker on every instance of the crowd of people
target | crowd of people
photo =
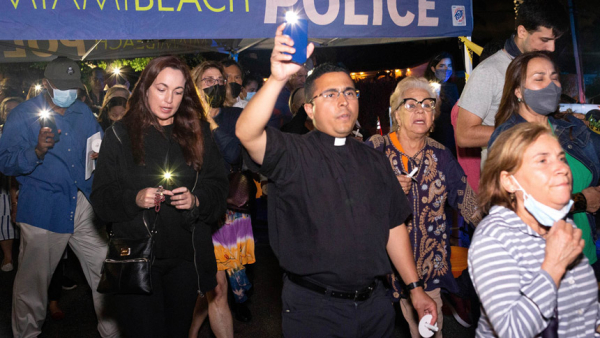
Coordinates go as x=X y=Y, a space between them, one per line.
x=356 y=226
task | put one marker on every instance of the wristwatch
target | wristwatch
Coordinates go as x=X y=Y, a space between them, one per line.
x=414 y=285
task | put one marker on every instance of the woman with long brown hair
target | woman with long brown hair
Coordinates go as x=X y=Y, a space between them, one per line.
x=163 y=144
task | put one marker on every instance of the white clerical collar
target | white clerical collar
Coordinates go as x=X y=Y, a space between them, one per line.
x=339 y=141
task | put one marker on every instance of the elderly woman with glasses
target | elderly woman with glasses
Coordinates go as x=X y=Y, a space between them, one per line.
x=432 y=179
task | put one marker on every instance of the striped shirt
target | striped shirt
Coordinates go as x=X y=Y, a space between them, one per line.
x=7 y=229
x=518 y=298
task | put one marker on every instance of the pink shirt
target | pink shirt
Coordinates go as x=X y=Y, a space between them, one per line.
x=468 y=158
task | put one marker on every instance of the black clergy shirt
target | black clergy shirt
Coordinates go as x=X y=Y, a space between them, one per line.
x=331 y=207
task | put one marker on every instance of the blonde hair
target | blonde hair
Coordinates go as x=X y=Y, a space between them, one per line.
x=506 y=155
x=116 y=90
x=198 y=72
x=401 y=88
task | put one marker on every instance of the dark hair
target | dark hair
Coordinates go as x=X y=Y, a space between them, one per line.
x=533 y=14
x=491 y=48
x=429 y=74
x=11 y=87
x=186 y=124
x=252 y=78
x=116 y=101
x=231 y=62
x=516 y=75
x=83 y=95
x=309 y=85
x=97 y=70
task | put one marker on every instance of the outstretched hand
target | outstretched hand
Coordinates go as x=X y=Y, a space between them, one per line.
x=281 y=66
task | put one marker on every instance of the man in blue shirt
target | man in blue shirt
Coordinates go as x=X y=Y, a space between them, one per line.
x=53 y=208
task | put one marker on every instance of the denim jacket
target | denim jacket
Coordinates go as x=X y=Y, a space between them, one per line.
x=576 y=139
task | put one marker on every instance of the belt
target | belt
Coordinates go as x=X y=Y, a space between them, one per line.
x=358 y=295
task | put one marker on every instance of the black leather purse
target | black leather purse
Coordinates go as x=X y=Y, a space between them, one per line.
x=127 y=268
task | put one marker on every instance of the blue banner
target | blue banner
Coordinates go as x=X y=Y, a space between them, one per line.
x=229 y=19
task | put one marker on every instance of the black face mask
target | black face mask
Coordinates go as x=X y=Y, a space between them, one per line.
x=216 y=95
x=236 y=89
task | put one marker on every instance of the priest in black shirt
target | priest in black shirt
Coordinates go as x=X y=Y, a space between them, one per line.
x=336 y=209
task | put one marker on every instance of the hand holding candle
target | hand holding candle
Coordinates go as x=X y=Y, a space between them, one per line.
x=405 y=182
x=145 y=198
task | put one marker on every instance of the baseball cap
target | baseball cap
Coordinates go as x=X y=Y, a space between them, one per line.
x=63 y=73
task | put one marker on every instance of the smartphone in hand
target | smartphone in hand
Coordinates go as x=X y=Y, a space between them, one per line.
x=47 y=120
x=297 y=29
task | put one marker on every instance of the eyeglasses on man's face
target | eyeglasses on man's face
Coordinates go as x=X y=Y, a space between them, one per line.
x=211 y=81
x=411 y=104
x=334 y=94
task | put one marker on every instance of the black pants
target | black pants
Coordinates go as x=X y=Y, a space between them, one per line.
x=310 y=314
x=167 y=312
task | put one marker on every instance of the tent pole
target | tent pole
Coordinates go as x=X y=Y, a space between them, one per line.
x=250 y=45
x=468 y=61
x=580 y=82
x=90 y=50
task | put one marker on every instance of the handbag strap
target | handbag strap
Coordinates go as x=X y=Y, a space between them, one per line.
x=150 y=231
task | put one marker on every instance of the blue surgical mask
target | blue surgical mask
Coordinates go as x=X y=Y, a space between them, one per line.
x=249 y=95
x=64 y=98
x=544 y=214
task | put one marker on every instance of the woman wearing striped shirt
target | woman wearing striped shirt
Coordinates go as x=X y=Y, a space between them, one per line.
x=525 y=259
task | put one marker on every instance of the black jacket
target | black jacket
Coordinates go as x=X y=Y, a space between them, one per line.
x=180 y=234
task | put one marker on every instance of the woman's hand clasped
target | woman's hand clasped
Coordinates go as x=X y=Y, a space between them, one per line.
x=563 y=246
x=182 y=198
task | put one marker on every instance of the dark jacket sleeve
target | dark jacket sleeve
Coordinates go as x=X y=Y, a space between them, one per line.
x=229 y=145
x=111 y=199
x=212 y=186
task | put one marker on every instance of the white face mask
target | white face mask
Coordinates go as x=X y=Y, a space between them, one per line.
x=544 y=214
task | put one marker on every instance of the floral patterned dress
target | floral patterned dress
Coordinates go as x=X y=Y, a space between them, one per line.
x=439 y=181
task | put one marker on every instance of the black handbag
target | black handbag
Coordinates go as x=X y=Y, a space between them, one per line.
x=127 y=268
